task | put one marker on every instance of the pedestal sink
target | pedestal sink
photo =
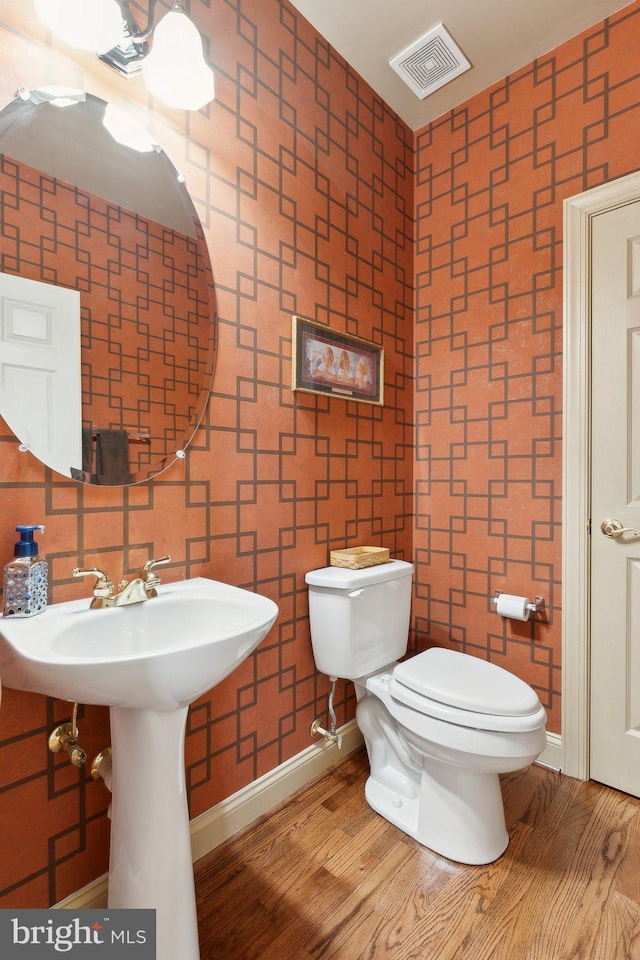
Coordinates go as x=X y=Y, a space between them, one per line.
x=147 y=662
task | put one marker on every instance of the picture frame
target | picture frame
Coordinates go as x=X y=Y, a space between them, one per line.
x=336 y=364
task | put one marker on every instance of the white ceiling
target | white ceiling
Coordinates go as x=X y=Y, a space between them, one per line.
x=497 y=36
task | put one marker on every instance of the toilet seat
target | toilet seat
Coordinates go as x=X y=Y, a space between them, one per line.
x=464 y=690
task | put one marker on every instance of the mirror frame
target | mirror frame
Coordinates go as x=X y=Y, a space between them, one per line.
x=162 y=463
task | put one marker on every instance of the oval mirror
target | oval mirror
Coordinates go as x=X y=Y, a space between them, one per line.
x=107 y=308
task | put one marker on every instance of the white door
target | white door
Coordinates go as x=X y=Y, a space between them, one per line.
x=615 y=480
x=40 y=385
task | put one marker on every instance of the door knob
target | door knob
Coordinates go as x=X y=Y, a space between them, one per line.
x=614 y=529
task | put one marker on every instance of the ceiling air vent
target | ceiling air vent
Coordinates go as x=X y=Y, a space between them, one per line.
x=430 y=62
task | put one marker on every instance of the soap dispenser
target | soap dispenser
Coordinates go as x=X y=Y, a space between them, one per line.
x=25 y=577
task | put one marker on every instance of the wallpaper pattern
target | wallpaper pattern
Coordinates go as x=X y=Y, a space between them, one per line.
x=491 y=177
x=303 y=180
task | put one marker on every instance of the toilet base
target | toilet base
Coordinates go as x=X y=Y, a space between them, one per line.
x=441 y=818
x=462 y=813
x=402 y=812
x=450 y=803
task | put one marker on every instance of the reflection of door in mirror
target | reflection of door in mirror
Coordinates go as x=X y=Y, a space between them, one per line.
x=40 y=387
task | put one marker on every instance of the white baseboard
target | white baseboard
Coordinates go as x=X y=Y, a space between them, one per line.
x=93 y=896
x=553 y=753
x=235 y=813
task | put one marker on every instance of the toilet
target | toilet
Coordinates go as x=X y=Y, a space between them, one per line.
x=439 y=727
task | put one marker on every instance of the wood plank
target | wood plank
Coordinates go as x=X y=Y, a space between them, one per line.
x=618 y=930
x=527 y=793
x=573 y=923
x=440 y=920
x=326 y=878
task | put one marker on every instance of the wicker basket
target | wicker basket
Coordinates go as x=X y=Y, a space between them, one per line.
x=355 y=558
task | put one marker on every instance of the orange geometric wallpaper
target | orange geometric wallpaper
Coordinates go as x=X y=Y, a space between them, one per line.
x=491 y=177
x=310 y=189
x=303 y=181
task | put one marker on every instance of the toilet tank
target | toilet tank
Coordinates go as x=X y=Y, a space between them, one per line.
x=359 y=618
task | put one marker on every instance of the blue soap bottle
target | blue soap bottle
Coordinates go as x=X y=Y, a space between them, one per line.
x=26 y=577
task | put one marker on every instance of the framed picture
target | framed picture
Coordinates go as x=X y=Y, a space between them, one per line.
x=336 y=364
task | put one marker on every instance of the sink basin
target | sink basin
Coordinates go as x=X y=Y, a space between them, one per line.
x=160 y=654
x=147 y=662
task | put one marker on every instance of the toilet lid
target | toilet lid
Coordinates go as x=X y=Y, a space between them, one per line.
x=466 y=683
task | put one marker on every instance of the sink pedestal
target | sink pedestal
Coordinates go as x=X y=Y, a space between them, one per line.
x=150 y=861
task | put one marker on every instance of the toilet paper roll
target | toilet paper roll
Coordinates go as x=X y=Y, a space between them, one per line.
x=513 y=607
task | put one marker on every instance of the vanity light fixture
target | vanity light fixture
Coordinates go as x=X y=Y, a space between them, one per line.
x=174 y=71
x=85 y=26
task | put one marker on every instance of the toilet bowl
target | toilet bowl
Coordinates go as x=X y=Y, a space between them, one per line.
x=439 y=727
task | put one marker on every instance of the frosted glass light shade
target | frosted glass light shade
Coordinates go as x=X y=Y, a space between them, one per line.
x=175 y=71
x=84 y=24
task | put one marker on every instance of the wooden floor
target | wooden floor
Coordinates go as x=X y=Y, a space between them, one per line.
x=326 y=877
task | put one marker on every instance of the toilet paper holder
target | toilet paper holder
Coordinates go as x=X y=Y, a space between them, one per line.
x=536 y=607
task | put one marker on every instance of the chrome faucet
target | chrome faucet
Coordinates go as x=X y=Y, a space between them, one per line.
x=142 y=587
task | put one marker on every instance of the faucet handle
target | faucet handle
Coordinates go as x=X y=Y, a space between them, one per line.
x=150 y=564
x=146 y=573
x=103 y=586
x=151 y=579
